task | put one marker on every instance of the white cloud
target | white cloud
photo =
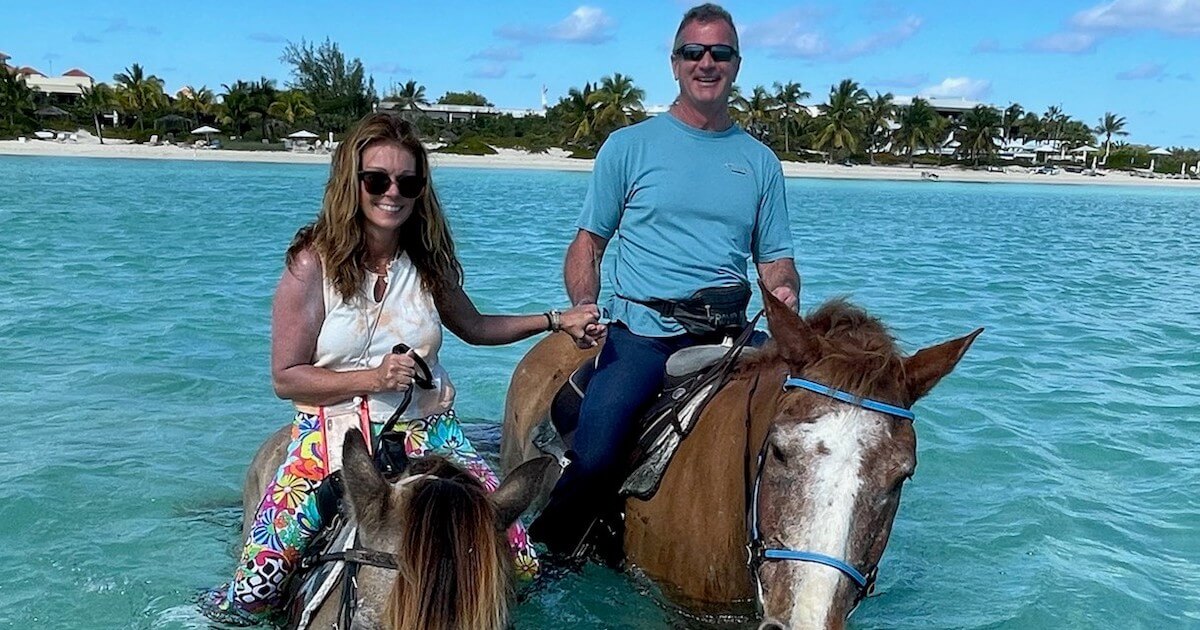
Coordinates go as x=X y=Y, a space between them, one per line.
x=1141 y=72
x=498 y=53
x=798 y=33
x=388 y=67
x=490 y=71
x=1177 y=17
x=585 y=25
x=988 y=45
x=902 y=32
x=1070 y=43
x=959 y=87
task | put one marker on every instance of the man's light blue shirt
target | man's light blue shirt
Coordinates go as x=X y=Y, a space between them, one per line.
x=688 y=208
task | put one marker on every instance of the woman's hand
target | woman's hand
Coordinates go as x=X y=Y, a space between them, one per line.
x=395 y=374
x=582 y=323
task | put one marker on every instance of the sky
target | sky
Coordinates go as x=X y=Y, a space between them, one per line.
x=1136 y=58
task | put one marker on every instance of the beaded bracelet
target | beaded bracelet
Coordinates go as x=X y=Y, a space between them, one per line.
x=553 y=320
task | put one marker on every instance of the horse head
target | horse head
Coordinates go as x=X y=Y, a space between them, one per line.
x=831 y=466
x=447 y=534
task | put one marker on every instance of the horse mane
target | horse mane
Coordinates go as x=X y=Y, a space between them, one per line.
x=454 y=566
x=856 y=352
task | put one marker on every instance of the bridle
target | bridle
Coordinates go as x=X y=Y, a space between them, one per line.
x=758 y=551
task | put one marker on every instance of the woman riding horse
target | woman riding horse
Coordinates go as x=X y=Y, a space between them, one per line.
x=361 y=303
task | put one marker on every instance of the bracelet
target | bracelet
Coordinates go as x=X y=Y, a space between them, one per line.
x=554 y=320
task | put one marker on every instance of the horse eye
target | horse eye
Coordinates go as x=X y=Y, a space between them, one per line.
x=777 y=454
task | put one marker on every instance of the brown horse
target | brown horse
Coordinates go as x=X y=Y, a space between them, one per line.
x=445 y=532
x=826 y=473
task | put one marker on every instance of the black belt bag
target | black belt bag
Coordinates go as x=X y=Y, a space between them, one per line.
x=707 y=311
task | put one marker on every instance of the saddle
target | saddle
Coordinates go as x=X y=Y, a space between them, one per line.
x=692 y=377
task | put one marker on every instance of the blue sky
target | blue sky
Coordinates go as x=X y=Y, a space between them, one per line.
x=1133 y=57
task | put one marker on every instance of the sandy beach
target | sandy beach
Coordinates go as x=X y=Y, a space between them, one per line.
x=556 y=159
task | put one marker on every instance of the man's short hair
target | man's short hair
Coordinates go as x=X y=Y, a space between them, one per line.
x=705 y=13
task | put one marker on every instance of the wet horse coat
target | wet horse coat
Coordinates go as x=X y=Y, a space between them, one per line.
x=830 y=477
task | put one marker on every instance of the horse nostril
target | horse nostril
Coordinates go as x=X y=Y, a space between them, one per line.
x=771 y=624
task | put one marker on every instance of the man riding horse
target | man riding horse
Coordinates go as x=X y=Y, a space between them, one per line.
x=689 y=197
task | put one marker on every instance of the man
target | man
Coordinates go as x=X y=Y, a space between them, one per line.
x=689 y=197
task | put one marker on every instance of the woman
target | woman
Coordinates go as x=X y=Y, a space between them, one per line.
x=376 y=269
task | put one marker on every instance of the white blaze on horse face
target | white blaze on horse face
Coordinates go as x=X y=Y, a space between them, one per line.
x=832 y=447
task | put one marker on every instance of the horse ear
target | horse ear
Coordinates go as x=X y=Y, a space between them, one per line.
x=519 y=490
x=366 y=489
x=792 y=335
x=924 y=369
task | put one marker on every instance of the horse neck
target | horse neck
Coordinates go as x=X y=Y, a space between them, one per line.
x=444 y=518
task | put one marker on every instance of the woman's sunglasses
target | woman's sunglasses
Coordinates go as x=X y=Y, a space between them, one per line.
x=695 y=52
x=378 y=183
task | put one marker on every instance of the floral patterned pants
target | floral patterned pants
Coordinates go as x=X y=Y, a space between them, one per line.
x=287 y=518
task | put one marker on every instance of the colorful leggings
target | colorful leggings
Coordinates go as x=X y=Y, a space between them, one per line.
x=287 y=518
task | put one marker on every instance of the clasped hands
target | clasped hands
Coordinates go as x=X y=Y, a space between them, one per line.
x=582 y=322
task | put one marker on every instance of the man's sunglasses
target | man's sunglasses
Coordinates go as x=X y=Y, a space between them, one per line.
x=378 y=183
x=695 y=52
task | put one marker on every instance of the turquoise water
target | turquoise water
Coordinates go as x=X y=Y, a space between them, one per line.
x=1059 y=465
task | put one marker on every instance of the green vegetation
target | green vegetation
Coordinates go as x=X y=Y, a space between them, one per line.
x=327 y=91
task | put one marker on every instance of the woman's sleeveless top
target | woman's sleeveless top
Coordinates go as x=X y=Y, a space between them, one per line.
x=358 y=333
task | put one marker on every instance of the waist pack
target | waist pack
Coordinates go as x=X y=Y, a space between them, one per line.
x=707 y=311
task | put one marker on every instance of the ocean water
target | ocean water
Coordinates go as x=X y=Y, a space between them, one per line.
x=1059 y=476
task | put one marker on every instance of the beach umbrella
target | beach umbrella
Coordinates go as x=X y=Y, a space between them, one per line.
x=303 y=135
x=50 y=111
x=207 y=131
x=172 y=119
x=1157 y=152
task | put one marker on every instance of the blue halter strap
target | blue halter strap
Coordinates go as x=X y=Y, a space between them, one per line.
x=846 y=397
x=759 y=552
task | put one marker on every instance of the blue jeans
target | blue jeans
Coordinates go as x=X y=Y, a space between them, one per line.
x=628 y=377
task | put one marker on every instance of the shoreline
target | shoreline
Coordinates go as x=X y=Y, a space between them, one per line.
x=557 y=160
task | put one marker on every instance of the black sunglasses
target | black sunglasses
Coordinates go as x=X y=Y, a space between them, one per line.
x=378 y=182
x=695 y=52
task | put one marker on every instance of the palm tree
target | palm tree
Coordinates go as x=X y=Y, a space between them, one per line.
x=16 y=97
x=1011 y=120
x=236 y=106
x=96 y=100
x=410 y=96
x=788 y=96
x=139 y=93
x=262 y=95
x=196 y=102
x=755 y=114
x=291 y=106
x=1110 y=125
x=1052 y=122
x=842 y=118
x=878 y=117
x=919 y=127
x=616 y=102
x=572 y=117
x=979 y=132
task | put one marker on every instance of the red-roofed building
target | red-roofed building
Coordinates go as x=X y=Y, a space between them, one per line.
x=70 y=84
x=76 y=72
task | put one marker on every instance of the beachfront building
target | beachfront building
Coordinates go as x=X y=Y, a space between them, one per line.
x=64 y=88
x=451 y=113
x=949 y=108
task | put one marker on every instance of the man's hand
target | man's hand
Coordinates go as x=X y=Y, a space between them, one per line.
x=787 y=296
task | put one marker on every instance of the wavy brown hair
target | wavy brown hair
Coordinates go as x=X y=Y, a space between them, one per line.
x=338 y=236
x=455 y=566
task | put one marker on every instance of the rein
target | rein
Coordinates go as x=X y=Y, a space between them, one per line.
x=757 y=550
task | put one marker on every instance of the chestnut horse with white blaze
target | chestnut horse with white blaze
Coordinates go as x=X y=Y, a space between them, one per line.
x=800 y=458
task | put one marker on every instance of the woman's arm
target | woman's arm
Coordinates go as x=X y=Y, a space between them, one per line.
x=297 y=315
x=465 y=321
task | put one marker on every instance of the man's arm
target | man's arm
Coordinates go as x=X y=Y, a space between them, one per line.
x=782 y=280
x=581 y=269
